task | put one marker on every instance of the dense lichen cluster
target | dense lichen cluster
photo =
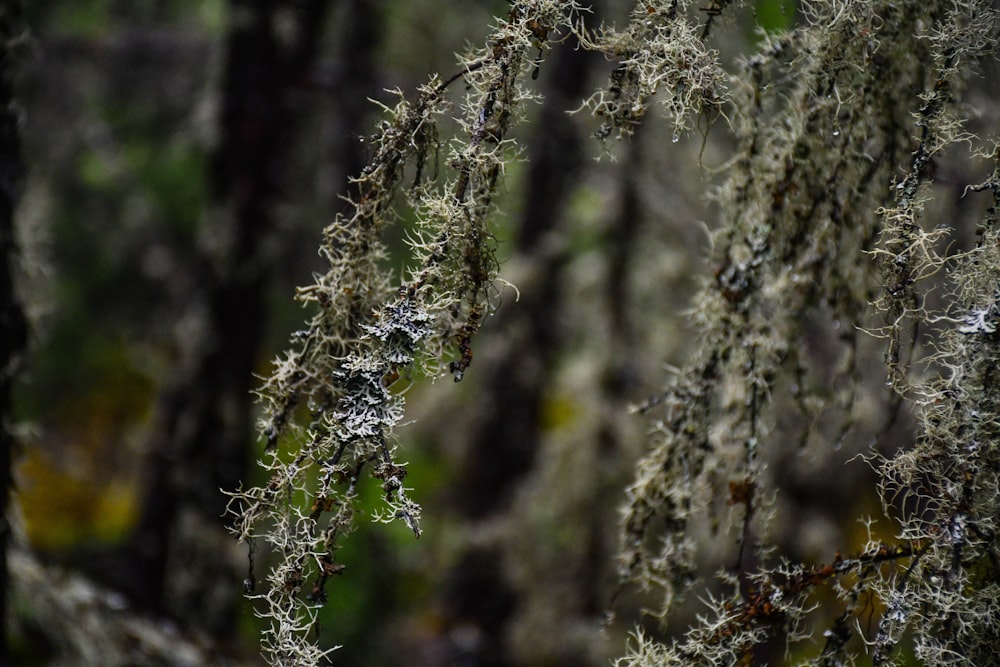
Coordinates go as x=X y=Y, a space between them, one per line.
x=816 y=224
x=816 y=221
x=331 y=405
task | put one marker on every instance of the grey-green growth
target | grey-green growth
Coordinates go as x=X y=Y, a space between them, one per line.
x=815 y=219
x=330 y=409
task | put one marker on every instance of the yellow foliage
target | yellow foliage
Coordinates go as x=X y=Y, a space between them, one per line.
x=63 y=506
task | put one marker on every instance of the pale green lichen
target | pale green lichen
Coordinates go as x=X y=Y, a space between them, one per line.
x=815 y=224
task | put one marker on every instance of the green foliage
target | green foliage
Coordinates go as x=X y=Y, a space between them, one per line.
x=774 y=15
x=82 y=18
x=116 y=188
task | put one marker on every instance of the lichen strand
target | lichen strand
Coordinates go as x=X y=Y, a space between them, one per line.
x=816 y=114
x=950 y=480
x=658 y=54
x=946 y=485
x=330 y=409
x=816 y=225
x=785 y=247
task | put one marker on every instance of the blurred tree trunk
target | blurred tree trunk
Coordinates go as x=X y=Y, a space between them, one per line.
x=202 y=431
x=12 y=324
x=508 y=433
x=352 y=81
x=504 y=443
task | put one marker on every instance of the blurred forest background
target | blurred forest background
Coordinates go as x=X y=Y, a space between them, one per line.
x=182 y=158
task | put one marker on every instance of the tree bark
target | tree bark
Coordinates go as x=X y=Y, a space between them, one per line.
x=203 y=431
x=12 y=322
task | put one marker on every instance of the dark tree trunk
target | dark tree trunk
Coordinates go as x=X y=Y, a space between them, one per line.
x=353 y=81
x=506 y=438
x=12 y=323
x=203 y=431
x=503 y=446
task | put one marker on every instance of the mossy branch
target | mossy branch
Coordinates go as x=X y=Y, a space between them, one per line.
x=330 y=409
